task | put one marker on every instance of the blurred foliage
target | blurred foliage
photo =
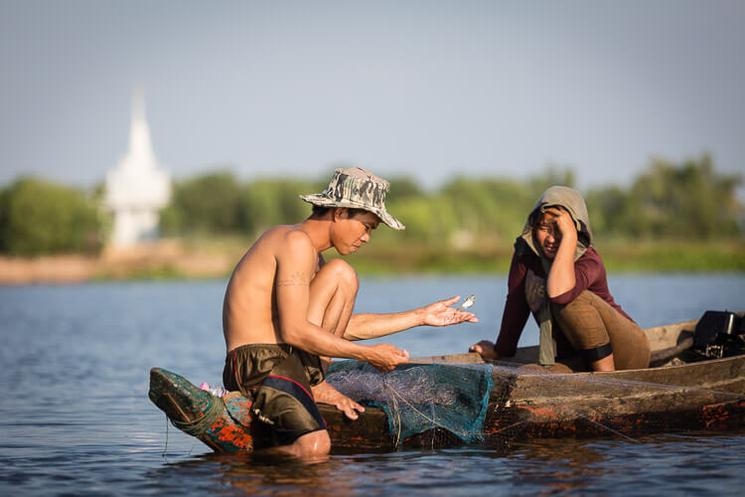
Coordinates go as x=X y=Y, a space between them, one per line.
x=206 y=204
x=217 y=203
x=463 y=224
x=38 y=217
x=269 y=202
x=689 y=200
x=469 y=224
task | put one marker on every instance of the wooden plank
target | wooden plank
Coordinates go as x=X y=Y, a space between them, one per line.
x=369 y=431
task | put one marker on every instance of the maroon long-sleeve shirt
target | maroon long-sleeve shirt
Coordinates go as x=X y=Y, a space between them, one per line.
x=589 y=274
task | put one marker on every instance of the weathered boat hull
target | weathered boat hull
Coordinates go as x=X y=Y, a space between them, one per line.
x=589 y=405
x=708 y=395
x=524 y=403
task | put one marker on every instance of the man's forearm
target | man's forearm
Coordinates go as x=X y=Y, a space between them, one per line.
x=366 y=326
x=322 y=343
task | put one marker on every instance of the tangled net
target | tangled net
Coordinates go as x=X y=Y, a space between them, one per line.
x=445 y=403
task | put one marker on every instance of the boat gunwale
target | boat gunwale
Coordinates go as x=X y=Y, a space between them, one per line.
x=684 y=375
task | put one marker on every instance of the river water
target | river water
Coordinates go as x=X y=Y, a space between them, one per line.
x=75 y=418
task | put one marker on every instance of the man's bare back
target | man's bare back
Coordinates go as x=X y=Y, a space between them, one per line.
x=250 y=305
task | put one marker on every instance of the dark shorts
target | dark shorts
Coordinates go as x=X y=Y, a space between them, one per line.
x=277 y=378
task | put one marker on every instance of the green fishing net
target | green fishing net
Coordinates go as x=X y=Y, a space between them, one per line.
x=419 y=398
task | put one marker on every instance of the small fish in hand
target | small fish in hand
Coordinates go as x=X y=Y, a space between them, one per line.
x=468 y=302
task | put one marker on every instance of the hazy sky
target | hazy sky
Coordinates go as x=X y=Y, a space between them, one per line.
x=426 y=88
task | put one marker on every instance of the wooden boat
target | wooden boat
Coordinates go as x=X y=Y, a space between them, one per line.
x=674 y=395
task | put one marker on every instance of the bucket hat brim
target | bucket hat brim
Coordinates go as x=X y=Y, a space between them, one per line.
x=324 y=201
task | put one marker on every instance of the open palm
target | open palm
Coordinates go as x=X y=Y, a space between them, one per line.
x=441 y=313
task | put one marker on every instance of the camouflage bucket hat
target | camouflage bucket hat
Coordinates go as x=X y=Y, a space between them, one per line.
x=356 y=188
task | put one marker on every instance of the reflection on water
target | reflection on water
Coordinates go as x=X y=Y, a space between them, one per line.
x=245 y=475
x=75 y=418
x=568 y=465
x=661 y=465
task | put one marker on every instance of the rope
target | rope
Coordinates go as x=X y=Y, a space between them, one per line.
x=165 y=449
x=200 y=426
x=608 y=428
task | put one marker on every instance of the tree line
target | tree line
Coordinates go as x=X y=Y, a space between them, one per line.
x=688 y=200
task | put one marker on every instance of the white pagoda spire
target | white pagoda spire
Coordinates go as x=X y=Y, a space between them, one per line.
x=137 y=188
x=140 y=145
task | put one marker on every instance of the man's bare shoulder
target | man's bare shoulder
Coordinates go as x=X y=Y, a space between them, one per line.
x=272 y=238
x=295 y=240
x=296 y=258
x=284 y=242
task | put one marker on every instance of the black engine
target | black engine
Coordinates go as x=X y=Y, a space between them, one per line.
x=719 y=334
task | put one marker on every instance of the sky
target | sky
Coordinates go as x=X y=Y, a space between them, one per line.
x=428 y=89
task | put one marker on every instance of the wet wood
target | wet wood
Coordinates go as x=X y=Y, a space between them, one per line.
x=369 y=431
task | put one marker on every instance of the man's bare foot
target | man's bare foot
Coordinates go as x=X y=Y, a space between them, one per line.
x=326 y=394
x=485 y=349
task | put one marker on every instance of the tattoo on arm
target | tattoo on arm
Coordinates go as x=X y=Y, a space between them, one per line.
x=298 y=278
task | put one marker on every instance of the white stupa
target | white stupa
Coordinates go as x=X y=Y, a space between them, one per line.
x=136 y=189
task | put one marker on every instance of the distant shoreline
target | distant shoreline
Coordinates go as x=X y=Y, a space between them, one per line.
x=215 y=258
x=161 y=260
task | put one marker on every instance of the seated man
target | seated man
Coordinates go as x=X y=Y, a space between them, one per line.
x=284 y=307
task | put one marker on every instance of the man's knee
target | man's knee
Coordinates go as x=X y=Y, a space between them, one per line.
x=343 y=273
x=583 y=325
x=314 y=444
x=582 y=301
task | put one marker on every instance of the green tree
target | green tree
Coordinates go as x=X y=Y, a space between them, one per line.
x=403 y=187
x=490 y=207
x=686 y=200
x=38 y=217
x=209 y=204
x=431 y=219
x=268 y=202
x=608 y=210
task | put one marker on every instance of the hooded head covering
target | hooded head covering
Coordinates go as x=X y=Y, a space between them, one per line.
x=569 y=199
x=535 y=285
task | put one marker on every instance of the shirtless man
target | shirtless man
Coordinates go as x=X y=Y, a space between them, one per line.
x=286 y=312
